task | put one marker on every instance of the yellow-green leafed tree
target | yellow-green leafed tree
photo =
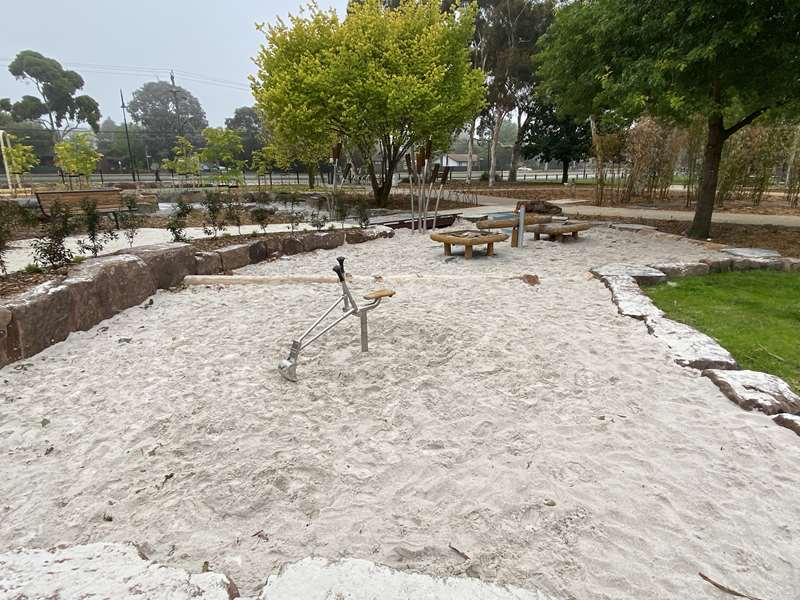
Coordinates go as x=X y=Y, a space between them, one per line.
x=383 y=80
x=185 y=161
x=21 y=157
x=77 y=155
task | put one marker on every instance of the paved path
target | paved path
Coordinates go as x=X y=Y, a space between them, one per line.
x=575 y=207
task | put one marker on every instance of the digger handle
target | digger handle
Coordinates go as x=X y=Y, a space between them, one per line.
x=339 y=271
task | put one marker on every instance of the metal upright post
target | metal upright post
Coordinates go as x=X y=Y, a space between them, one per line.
x=127 y=136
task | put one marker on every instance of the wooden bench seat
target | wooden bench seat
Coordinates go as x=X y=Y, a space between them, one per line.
x=108 y=201
x=375 y=294
x=558 y=231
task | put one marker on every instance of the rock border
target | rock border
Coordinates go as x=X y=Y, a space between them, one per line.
x=751 y=390
x=101 y=287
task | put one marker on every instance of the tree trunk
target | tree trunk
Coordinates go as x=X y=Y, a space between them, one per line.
x=493 y=148
x=516 y=150
x=701 y=225
x=381 y=190
x=311 y=178
x=565 y=171
x=470 y=150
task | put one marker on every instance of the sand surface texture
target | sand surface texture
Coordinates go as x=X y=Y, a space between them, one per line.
x=550 y=440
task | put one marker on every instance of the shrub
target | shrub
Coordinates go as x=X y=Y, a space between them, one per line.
x=318 y=220
x=96 y=235
x=362 y=213
x=130 y=221
x=340 y=208
x=177 y=221
x=33 y=268
x=233 y=211
x=214 y=205
x=260 y=217
x=49 y=249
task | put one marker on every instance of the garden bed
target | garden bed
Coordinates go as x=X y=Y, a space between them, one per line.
x=755 y=315
x=785 y=240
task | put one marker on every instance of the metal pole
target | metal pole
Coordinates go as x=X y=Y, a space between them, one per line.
x=5 y=160
x=521 y=234
x=364 y=340
x=127 y=137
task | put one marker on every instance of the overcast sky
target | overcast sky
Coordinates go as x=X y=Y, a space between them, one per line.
x=208 y=43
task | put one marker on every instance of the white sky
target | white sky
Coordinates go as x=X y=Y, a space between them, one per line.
x=122 y=45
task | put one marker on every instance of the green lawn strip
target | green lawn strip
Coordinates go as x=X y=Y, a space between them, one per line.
x=755 y=315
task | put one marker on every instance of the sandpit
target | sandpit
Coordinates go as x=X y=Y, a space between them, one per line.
x=534 y=429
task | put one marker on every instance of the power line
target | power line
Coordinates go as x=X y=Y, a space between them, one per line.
x=135 y=71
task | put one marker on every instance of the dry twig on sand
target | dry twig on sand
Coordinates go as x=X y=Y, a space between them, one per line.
x=726 y=589
x=459 y=552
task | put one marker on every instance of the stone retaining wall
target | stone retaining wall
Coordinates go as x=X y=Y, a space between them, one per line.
x=99 y=288
x=752 y=390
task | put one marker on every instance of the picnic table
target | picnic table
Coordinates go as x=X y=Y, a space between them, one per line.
x=468 y=238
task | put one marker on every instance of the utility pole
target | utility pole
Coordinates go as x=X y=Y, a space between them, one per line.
x=175 y=99
x=127 y=136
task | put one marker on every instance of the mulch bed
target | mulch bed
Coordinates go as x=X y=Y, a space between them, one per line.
x=209 y=244
x=20 y=281
x=785 y=240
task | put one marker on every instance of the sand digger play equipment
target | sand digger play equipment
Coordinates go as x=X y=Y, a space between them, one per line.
x=288 y=366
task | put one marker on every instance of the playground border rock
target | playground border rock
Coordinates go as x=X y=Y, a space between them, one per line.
x=103 y=570
x=751 y=390
x=99 y=288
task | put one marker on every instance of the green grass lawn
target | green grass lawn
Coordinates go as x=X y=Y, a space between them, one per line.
x=755 y=315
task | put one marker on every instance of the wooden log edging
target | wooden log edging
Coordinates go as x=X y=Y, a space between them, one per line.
x=101 y=287
x=751 y=390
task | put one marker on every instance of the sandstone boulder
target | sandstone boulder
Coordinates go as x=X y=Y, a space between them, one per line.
x=642 y=274
x=323 y=240
x=629 y=298
x=673 y=270
x=102 y=570
x=207 y=263
x=102 y=287
x=718 y=265
x=789 y=421
x=689 y=347
x=753 y=390
x=40 y=317
x=169 y=262
x=258 y=251
x=291 y=245
x=359 y=236
x=234 y=257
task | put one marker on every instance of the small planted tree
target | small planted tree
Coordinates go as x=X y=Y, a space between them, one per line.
x=77 y=156
x=260 y=217
x=49 y=248
x=214 y=206
x=20 y=157
x=177 y=220
x=184 y=162
x=234 y=210
x=223 y=148
x=96 y=236
x=130 y=221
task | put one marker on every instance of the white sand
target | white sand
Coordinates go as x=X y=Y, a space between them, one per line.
x=533 y=428
x=20 y=254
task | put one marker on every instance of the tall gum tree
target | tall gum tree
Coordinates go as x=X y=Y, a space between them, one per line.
x=732 y=62
x=382 y=80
